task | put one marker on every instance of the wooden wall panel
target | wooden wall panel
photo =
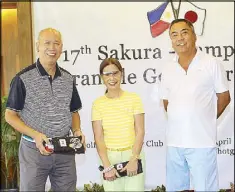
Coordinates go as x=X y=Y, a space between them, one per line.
x=16 y=52
x=8 y=5
x=24 y=20
x=9 y=45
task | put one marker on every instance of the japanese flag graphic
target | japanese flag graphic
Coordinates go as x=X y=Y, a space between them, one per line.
x=194 y=14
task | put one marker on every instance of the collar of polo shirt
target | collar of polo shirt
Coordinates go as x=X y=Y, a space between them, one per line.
x=196 y=57
x=43 y=72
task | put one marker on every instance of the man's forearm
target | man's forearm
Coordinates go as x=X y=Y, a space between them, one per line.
x=222 y=102
x=76 y=122
x=221 y=108
x=165 y=103
x=14 y=120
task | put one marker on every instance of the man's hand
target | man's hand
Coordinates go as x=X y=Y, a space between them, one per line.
x=39 y=138
x=77 y=133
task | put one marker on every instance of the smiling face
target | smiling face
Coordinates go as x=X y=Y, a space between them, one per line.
x=183 y=38
x=111 y=76
x=49 y=46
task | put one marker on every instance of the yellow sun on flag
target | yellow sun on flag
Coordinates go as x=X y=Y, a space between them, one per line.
x=167 y=15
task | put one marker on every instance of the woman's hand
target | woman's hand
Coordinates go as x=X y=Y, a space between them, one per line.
x=110 y=175
x=131 y=167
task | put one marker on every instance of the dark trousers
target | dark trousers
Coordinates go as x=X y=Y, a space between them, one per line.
x=35 y=169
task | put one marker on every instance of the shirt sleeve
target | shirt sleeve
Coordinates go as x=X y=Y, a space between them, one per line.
x=138 y=105
x=95 y=112
x=17 y=93
x=75 y=103
x=163 y=88
x=220 y=80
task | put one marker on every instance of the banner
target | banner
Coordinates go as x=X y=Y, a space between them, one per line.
x=93 y=31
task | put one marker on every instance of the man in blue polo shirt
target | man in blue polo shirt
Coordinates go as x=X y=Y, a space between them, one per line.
x=43 y=103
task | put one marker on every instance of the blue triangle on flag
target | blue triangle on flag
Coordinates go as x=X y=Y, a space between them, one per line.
x=155 y=15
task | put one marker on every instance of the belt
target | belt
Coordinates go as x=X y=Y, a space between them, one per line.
x=28 y=138
x=119 y=149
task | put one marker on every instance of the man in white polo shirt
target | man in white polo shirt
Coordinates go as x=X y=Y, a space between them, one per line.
x=195 y=92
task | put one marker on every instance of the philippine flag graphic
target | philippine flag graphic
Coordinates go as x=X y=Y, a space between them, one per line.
x=161 y=17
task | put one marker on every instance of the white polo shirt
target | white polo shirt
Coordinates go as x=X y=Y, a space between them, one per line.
x=192 y=101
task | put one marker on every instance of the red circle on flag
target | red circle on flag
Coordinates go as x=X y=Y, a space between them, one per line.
x=191 y=16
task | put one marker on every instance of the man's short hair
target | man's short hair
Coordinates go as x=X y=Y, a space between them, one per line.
x=50 y=30
x=182 y=20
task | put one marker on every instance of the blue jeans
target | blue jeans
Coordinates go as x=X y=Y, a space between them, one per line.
x=199 y=163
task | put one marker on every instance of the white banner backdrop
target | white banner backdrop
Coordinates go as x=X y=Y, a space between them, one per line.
x=93 y=31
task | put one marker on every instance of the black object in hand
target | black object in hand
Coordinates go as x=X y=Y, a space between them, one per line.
x=119 y=167
x=67 y=145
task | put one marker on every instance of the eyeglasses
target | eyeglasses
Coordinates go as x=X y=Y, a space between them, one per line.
x=110 y=73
